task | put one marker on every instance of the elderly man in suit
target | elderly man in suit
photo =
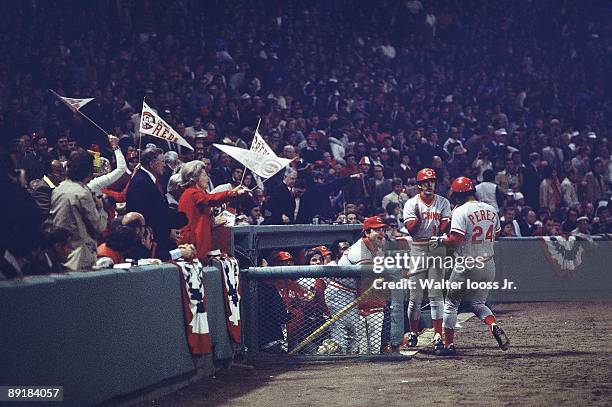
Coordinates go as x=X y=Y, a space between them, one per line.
x=281 y=206
x=145 y=195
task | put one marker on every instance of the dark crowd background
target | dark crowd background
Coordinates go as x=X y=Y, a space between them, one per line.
x=509 y=93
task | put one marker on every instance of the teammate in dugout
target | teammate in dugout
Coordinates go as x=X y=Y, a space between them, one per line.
x=347 y=330
x=474 y=227
x=426 y=215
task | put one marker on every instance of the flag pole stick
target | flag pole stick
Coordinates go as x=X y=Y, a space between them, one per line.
x=257 y=186
x=244 y=170
x=140 y=132
x=92 y=122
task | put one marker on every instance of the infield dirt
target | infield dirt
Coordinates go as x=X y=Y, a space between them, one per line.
x=560 y=354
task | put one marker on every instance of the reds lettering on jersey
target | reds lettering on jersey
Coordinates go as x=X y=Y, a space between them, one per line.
x=478 y=222
x=430 y=215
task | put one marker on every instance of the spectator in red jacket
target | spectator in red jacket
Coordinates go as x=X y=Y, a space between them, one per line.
x=196 y=203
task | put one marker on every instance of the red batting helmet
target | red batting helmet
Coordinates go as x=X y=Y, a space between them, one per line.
x=425 y=174
x=462 y=184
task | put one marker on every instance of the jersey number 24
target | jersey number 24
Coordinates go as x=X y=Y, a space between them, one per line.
x=477 y=233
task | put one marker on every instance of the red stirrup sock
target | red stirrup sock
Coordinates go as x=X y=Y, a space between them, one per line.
x=414 y=325
x=437 y=325
x=490 y=320
x=449 y=336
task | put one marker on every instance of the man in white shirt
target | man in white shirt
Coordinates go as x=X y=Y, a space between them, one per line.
x=397 y=195
x=569 y=190
x=487 y=191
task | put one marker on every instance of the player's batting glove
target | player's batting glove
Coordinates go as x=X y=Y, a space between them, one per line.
x=436 y=241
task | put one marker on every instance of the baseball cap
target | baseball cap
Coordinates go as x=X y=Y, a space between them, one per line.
x=323 y=249
x=582 y=218
x=281 y=256
x=518 y=196
x=373 y=222
x=501 y=131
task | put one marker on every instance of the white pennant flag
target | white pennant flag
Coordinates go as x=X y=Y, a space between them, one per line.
x=153 y=125
x=73 y=104
x=263 y=165
x=259 y=145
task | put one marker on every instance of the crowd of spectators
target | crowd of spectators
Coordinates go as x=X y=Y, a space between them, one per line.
x=361 y=94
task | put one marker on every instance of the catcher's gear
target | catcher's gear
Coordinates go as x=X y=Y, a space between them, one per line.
x=462 y=184
x=425 y=174
x=500 y=337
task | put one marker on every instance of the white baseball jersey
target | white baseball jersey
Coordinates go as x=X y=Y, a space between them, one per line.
x=357 y=254
x=478 y=222
x=430 y=215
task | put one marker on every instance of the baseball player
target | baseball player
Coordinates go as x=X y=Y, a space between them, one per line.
x=341 y=291
x=426 y=215
x=474 y=227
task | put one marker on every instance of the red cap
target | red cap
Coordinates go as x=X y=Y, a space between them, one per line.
x=425 y=174
x=282 y=256
x=462 y=184
x=323 y=249
x=373 y=222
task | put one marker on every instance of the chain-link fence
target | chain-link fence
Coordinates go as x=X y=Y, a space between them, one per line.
x=311 y=310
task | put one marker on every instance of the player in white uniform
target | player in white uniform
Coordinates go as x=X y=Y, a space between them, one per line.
x=474 y=226
x=347 y=331
x=425 y=215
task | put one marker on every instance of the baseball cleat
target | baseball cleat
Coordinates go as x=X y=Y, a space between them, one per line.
x=450 y=350
x=413 y=339
x=438 y=345
x=500 y=337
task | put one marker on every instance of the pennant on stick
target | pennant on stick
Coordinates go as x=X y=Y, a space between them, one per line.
x=153 y=125
x=263 y=165
x=73 y=104
x=259 y=145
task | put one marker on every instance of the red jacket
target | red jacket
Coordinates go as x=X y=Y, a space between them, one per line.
x=196 y=204
x=105 y=251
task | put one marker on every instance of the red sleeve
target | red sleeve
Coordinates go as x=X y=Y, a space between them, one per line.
x=203 y=198
x=118 y=196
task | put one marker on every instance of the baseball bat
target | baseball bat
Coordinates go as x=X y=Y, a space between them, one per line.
x=329 y=322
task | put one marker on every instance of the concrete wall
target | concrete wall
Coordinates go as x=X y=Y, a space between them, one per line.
x=103 y=334
x=538 y=277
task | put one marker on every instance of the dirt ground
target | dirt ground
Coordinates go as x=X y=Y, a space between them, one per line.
x=560 y=354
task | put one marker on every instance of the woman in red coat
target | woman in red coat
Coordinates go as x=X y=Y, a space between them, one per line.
x=196 y=203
